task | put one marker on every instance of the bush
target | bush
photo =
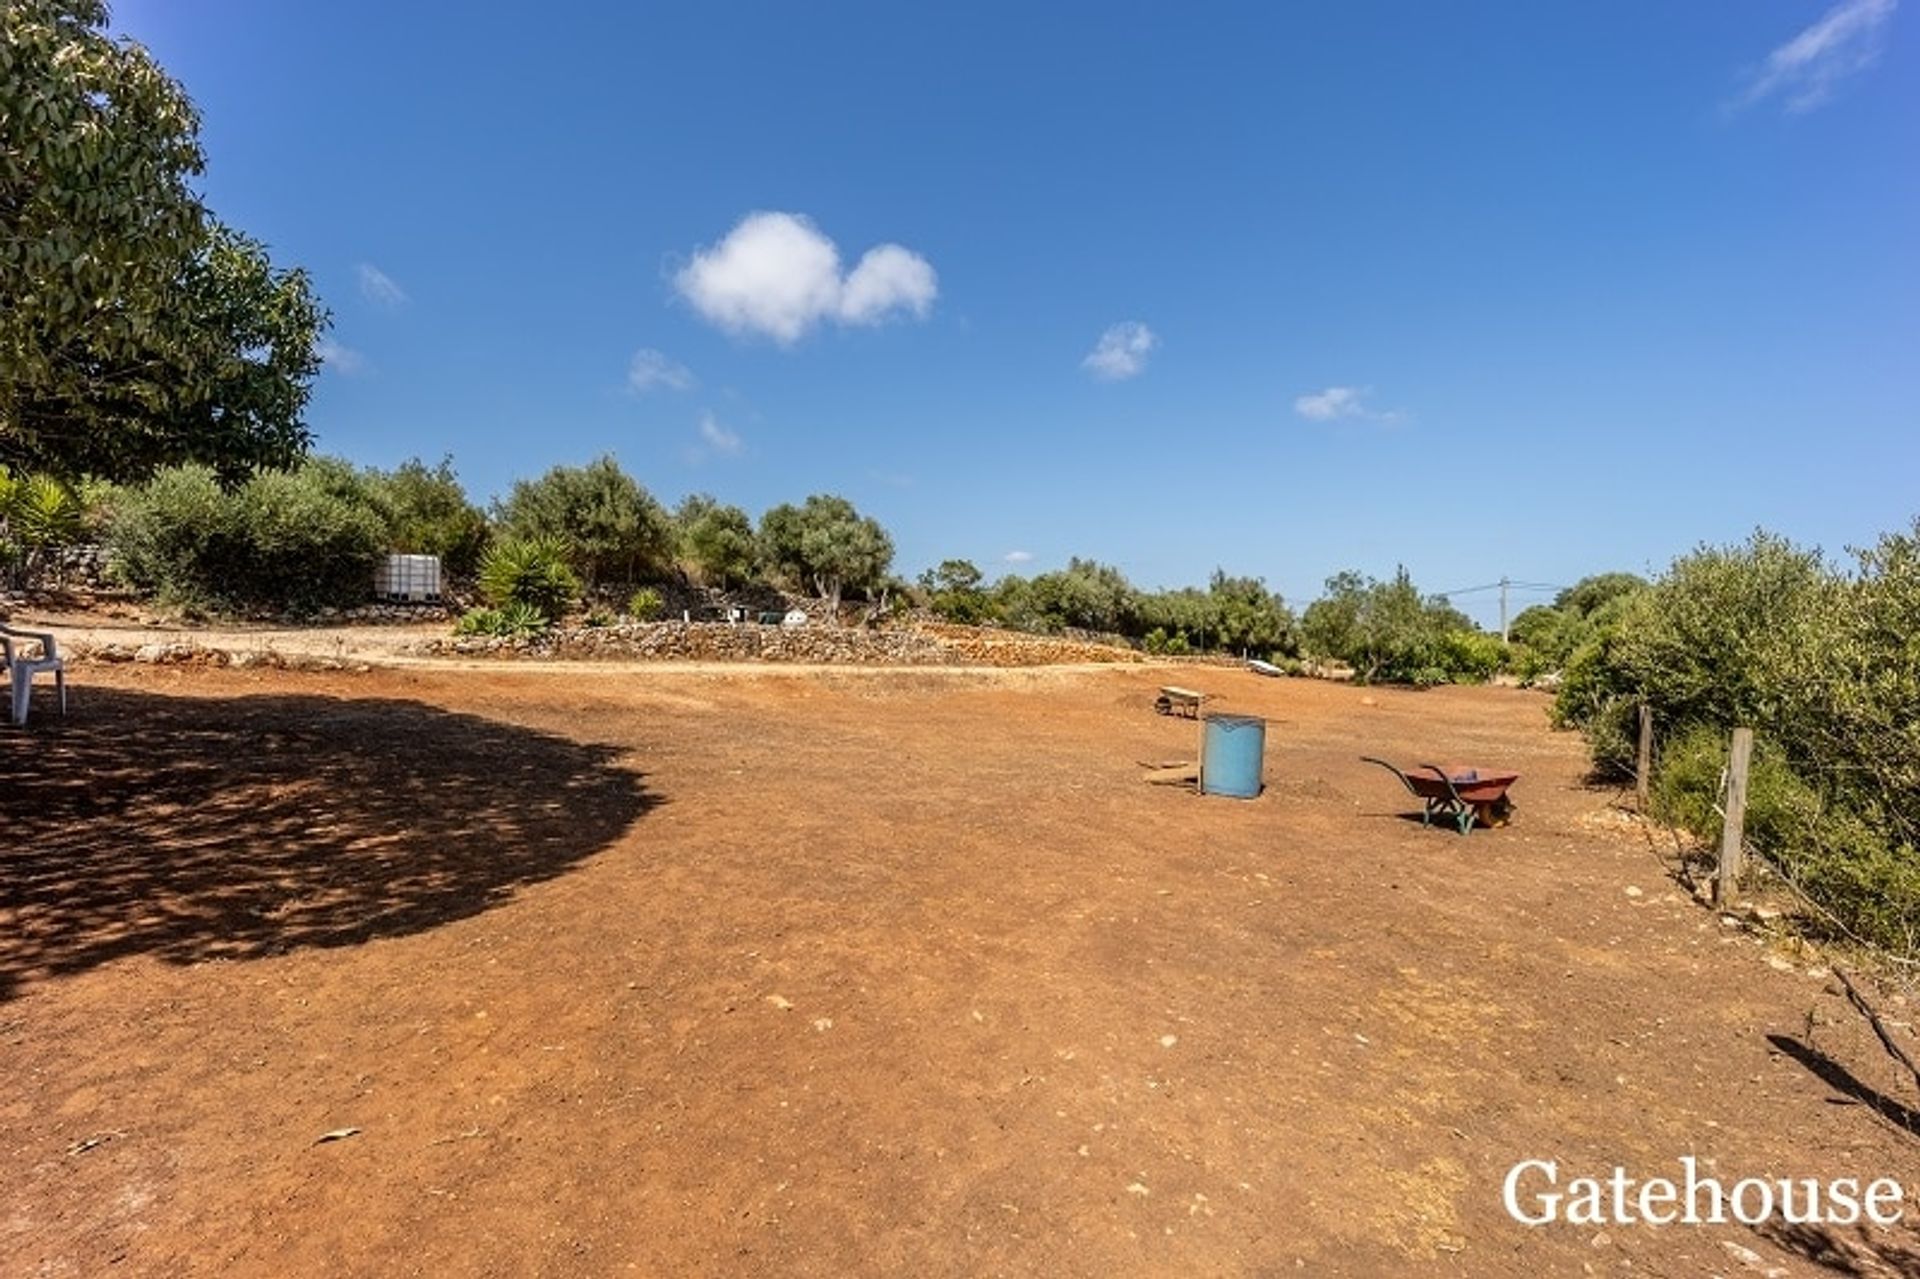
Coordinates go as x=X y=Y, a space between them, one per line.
x=478 y=621
x=646 y=605
x=296 y=540
x=1159 y=643
x=428 y=514
x=531 y=572
x=39 y=518
x=1822 y=666
x=610 y=527
x=1470 y=657
x=515 y=619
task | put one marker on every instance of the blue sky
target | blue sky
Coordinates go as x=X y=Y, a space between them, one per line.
x=1485 y=289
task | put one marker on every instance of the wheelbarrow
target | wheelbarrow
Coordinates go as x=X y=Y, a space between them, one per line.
x=1457 y=793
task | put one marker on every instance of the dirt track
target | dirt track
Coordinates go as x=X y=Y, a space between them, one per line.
x=684 y=972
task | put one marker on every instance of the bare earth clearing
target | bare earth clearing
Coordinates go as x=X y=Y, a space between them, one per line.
x=684 y=972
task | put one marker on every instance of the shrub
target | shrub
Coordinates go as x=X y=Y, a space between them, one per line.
x=529 y=571
x=298 y=540
x=1822 y=666
x=645 y=605
x=1159 y=643
x=716 y=542
x=39 y=517
x=428 y=514
x=1470 y=657
x=523 y=618
x=479 y=621
x=514 y=619
x=611 y=528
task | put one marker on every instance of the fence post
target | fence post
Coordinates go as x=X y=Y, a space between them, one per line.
x=1727 y=881
x=1643 y=770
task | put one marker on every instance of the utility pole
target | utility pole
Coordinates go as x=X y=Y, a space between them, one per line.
x=1503 y=610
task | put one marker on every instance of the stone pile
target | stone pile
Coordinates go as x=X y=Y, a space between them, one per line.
x=186 y=653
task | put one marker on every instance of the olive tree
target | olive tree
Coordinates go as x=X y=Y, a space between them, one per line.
x=826 y=544
x=715 y=541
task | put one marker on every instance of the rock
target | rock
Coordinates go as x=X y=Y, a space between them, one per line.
x=152 y=653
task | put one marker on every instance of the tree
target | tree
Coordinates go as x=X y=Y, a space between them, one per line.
x=135 y=330
x=1389 y=631
x=1088 y=595
x=827 y=544
x=715 y=541
x=613 y=528
x=1588 y=595
x=97 y=217
x=953 y=591
x=429 y=514
x=1246 y=615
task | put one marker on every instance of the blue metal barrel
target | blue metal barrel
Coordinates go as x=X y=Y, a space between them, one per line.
x=1232 y=752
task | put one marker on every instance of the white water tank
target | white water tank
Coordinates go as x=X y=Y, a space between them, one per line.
x=408 y=577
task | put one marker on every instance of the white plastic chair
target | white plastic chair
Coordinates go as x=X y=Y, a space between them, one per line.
x=21 y=669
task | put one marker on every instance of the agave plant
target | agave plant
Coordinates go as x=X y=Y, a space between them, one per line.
x=529 y=571
x=38 y=516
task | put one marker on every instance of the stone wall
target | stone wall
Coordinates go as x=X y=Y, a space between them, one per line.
x=823 y=645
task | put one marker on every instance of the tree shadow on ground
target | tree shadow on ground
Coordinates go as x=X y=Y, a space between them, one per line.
x=233 y=828
x=1843 y=1081
x=1857 y=1251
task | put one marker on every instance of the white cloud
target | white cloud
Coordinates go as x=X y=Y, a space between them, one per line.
x=1121 y=352
x=1804 y=70
x=343 y=360
x=377 y=287
x=650 y=368
x=717 y=440
x=1343 y=401
x=778 y=275
x=1335 y=401
x=1018 y=557
x=888 y=278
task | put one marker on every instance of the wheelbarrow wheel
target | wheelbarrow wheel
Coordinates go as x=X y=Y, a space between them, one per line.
x=1496 y=812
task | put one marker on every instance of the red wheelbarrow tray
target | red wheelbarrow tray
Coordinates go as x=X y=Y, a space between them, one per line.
x=1463 y=792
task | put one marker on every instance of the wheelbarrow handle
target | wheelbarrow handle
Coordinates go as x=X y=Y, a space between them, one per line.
x=1404 y=779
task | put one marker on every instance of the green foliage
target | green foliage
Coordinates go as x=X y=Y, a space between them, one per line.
x=97 y=212
x=826 y=544
x=299 y=540
x=1822 y=665
x=1591 y=594
x=222 y=376
x=611 y=527
x=1161 y=644
x=522 y=617
x=514 y=619
x=1388 y=631
x=598 y=617
x=528 y=571
x=478 y=621
x=1245 y=615
x=1086 y=595
x=1470 y=657
x=428 y=514
x=716 y=542
x=953 y=591
x=645 y=605
x=39 y=517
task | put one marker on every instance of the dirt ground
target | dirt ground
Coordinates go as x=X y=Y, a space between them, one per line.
x=786 y=972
